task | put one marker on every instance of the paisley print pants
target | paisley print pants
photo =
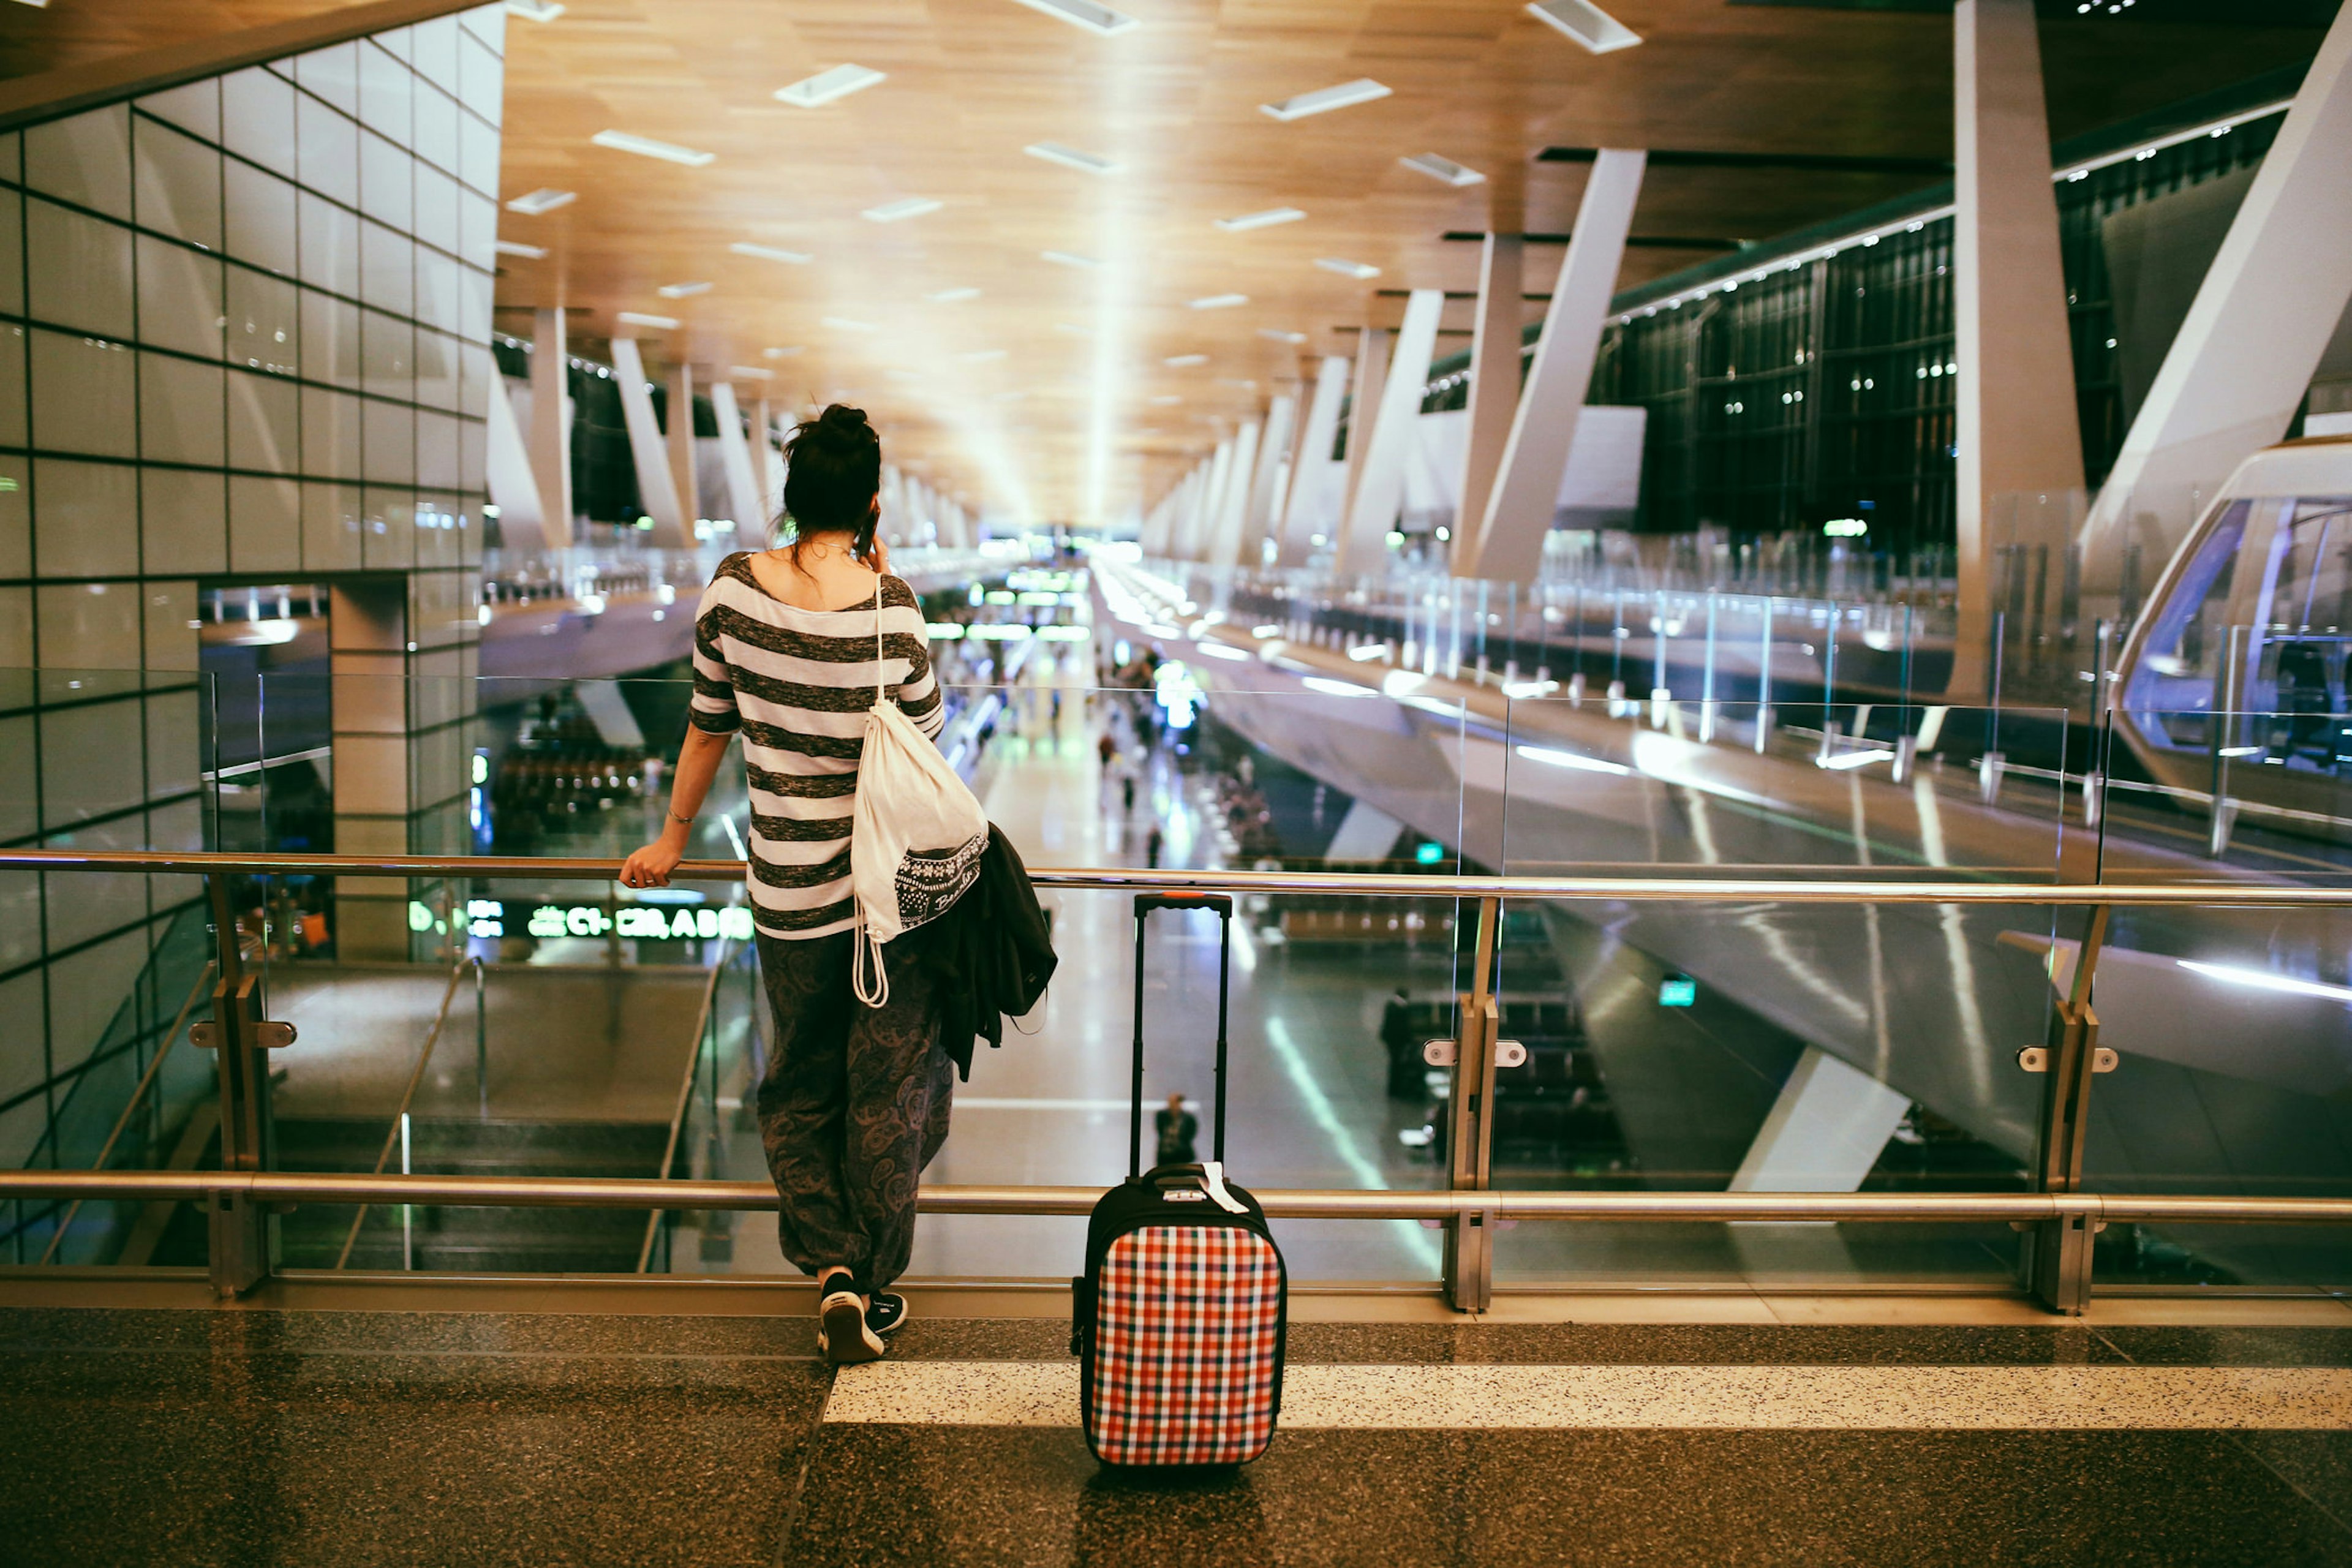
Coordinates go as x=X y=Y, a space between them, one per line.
x=854 y=1105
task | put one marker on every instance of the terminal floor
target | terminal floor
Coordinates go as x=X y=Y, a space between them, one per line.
x=444 y=1437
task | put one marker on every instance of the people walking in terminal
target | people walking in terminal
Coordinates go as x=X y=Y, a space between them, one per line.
x=1177 y=1128
x=856 y=1099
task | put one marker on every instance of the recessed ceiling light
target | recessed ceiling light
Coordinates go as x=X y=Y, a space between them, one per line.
x=1074 y=329
x=1164 y=400
x=1071 y=158
x=844 y=324
x=771 y=253
x=1265 y=219
x=749 y=372
x=531 y=204
x=813 y=92
x=952 y=296
x=1099 y=20
x=1346 y=269
x=1586 y=23
x=982 y=356
x=1322 y=101
x=785 y=352
x=517 y=247
x=1178 y=362
x=682 y=290
x=902 y=209
x=1232 y=381
x=1445 y=169
x=534 y=10
x=1070 y=259
x=639 y=319
x=646 y=147
x=1218 y=302
x=1278 y=335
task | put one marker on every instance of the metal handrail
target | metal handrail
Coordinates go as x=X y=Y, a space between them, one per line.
x=138 y=1098
x=684 y=1093
x=408 y=1096
x=1694 y=891
x=633 y=1193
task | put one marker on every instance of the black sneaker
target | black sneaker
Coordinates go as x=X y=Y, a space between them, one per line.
x=886 y=1314
x=841 y=1336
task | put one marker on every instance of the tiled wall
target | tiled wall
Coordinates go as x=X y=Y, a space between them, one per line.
x=244 y=336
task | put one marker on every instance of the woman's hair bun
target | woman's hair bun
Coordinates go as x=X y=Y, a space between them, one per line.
x=841 y=417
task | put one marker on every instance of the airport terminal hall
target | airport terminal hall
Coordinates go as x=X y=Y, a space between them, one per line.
x=1168 y=784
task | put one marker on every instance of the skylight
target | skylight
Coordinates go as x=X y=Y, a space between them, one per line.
x=749 y=372
x=1265 y=219
x=1218 y=302
x=1071 y=158
x=517 y=247
x=1165 y=400
x=1586 y=23
x=784 y=351
x=952 y=296
x=532 y=203
x=1070 y=259
x=1099 y=20
x=1073 y=329
x=682 y=290
x=815 y=91
x=646 y=147
x=1445 y=169
x=1179 y=362
x=771 y=253
x=1322 y=101
x=639 y=319
x=1346 y=269
x=1280 y=336
x=902 y=209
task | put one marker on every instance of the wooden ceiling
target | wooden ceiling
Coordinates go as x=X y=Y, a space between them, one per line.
x=1048 y=395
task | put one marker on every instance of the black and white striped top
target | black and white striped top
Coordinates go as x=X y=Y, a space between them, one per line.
x=798 y=683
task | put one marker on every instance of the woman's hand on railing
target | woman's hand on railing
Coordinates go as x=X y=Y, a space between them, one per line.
x=651 y=865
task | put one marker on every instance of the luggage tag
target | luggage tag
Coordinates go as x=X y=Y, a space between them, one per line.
x=1212 y=1173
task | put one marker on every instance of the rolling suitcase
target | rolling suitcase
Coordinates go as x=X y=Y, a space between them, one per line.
x=1178 y=1321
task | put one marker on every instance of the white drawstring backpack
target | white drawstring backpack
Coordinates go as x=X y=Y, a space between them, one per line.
x=915 y=833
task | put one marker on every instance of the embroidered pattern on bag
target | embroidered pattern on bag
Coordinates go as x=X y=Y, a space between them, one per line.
x=930 y=881
x=1185 y=1334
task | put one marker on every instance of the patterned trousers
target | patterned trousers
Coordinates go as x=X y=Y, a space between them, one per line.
x=854 y=1105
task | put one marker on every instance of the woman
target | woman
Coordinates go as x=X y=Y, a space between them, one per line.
x=855 y=1102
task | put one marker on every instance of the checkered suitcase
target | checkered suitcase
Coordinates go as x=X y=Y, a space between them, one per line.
x=1178 y=1321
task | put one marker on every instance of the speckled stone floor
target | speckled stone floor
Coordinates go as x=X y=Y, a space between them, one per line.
x=332 y=1437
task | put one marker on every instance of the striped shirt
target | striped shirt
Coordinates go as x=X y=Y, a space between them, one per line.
x=798 y=683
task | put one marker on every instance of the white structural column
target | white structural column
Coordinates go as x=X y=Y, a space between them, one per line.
x=1373 y=346
x=2252 y=340
x=1311 y=472
x=1825 y=1132
x=768 y=463
x=550 y=435
x=1380 y=480
x=1232 y=507
x=2017 y=428
x=1495 y=342
x=742 y=489
x=682 y=465
x=656 y=490
x=1525 y=491
x=1202 y=528
x=507 y=471
x=1265 y=485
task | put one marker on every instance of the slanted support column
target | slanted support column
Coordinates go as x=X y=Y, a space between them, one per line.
x=1825 y=1132
x=681 y=447
x=2252 y=340
x=1373 y=347
x=656 y=490
x=2017 y=427
x=1380 y=480
x=507 y=470
x=742 y=489
x=767 y=466
x=1494 y=387
x=1232 y=507
x=1207 y=504
x=1309 y=474
x=550 y=435
x=1526 y=492
x=1265 y=485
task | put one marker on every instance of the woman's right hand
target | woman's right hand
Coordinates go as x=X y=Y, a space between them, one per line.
x=651 y=865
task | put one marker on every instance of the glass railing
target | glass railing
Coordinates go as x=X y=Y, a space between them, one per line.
x=1671 y=1046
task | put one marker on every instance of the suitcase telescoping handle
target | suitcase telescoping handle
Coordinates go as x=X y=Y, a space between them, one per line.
x=1144 y=904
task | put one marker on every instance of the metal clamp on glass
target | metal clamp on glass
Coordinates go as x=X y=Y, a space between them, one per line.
x=2036 y=1058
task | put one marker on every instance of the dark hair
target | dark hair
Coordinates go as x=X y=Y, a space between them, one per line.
x=833 y=473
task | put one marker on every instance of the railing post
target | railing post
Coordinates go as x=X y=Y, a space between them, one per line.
x=2058 y=1262
x=242 y=1242
x=1470 y=1143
